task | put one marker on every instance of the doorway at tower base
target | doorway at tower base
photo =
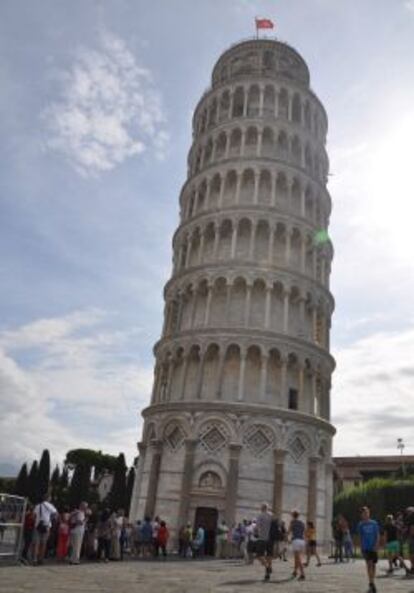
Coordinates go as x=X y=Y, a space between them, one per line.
x=207 y=518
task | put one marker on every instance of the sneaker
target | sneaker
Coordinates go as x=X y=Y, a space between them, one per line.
x=294 y=575
x=319 y=564
x=301 y=578
x=266 y=576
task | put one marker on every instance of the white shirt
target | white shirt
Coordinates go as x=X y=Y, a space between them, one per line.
x=44 y=512
x=79 y=517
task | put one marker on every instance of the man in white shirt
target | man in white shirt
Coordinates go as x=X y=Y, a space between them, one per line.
x=44 y=512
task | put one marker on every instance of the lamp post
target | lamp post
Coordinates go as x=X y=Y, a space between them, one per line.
x=401 y=446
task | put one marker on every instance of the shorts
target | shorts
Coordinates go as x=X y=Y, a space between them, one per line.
x=298 y=545
x=263 y=548
x=312 y=544
x=370 y=556
x=40 y=538
x=393 y=547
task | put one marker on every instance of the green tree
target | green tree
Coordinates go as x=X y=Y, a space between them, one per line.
x=54 y=484
x=32 y=489
x=21 y=487
x=44 y=474
x=129 y=489
x=79 y=485
x=98 y=462
x=117 y=497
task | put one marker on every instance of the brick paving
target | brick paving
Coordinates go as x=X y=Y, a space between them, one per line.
x=205 y=576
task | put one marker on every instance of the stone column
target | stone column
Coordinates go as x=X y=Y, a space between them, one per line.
x=193 y=308
x=316 y=404
x=278 y=479
x=230 y=111
x=167 y=396
x=221 y=193
x=188 y=254
x=208 y=305
x=302 y=321
x=263 y=376
x=272 y=232
x=186 y=482
x=247 y=305
x=286 y=312
x=240 y=395
x=268 y=307
x=256 y=186
x=252 y=240
x=133 y=513
x=261 y=101
x=288 y=246
x=312 y=488
x=303 y=254
x=232 y=483
x=183 y=376
x=233 y=241
x=301 y=403
x=303 y=203
x=151 y=497
x=228 y=302
x=200 y=372
x=273 y=190
x=216 y=241
x=283 y=383
x=238 y=185
x=259 y=143
x=220 y=371
x=201 y=248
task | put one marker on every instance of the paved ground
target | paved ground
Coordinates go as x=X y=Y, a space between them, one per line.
x=209 y=576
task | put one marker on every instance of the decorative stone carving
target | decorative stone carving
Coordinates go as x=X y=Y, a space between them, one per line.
x=213 y=438
x=174 y=437
x=297 y=449
x=258 y=439
x=210 y=481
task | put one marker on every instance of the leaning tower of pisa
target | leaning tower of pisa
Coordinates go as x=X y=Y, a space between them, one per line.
x=240 y=406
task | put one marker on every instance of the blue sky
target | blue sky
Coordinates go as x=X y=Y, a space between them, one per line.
x=95 y=114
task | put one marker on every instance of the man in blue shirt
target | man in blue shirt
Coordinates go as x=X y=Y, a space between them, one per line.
x=369 y=535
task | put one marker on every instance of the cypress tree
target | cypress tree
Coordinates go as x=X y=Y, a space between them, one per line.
x=129 y=489
x=32 y=486
x=80 y=484
x=117 y=498
x=44 y=474
x=54 y=484
x=22 y=482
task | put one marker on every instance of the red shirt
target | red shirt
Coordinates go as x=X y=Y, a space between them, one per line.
x=163 y=536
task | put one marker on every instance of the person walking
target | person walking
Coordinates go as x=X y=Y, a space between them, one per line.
x=28 y=531
x=103 y=531
x=44 y=513
x=77 y=524
x=263 y=546
x=222 y=532
x=198 y=542
x=297 y=534
x=369 y=535
x=63 y=530
x=409 y=524
x=392 y=545
x=311 y=544
x=162 y=539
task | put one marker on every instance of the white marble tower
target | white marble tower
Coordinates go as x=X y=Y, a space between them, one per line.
x=240 y=407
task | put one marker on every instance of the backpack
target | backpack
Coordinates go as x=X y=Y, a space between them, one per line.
x=275 y=533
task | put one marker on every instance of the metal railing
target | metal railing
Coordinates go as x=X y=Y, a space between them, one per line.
x=12 y=514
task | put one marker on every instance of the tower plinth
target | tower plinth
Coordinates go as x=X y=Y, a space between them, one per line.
x=240 y=409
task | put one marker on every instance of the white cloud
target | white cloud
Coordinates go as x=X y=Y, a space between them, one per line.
x=373 y=398
x=108 y=109
x=409 y=5
x=70 y=382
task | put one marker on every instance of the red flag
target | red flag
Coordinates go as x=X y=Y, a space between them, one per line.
x=264 y=24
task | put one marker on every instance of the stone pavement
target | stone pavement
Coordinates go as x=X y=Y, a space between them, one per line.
x=205 y=576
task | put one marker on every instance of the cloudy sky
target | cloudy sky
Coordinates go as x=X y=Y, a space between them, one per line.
x=95 y=109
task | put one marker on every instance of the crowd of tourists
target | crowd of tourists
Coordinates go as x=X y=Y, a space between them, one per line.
x=85 y=532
